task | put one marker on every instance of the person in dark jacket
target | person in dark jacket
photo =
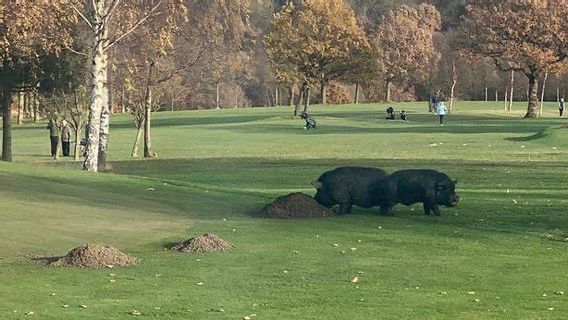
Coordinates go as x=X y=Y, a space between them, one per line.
x=53 y=136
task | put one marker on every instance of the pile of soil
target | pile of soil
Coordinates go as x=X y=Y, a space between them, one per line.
x=202 y=244
x=294 y=206
x=94 y=256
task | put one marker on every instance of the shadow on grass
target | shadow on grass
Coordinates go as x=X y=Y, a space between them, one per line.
x=324 y=129
x=47 y=261
x=197 y=121
x=539 y=135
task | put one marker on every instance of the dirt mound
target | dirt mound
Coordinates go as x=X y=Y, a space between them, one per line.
x=205 y=243
x=94 y=256
x=294 y=206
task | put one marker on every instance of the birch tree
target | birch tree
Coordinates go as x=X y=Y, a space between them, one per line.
x=110 y=22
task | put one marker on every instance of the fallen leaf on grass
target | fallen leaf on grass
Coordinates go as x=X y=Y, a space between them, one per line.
x=135 y=313
x=65 y=306
x=199 y=283
x=335 y=245
x=353 y=249
x=29 y=313
x=84 y=306
x=150 y=189
x=471 y=292
x=355 y=280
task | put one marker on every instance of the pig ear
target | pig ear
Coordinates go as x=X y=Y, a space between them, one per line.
x=316 y=184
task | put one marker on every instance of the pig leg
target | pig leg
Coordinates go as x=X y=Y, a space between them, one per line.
x=345 y=208
x=436 y=209
x=386 y=210
x=427 y=208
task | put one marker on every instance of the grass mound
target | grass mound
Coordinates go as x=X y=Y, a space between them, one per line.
x=94 y=256
x=202 y=244
x=294 y=206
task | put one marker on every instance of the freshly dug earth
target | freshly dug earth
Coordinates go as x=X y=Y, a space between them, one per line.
x=205 y=243
x=294 y=206
x=94 y=256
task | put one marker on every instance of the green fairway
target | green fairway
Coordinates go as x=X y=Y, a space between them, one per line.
x=500 y=254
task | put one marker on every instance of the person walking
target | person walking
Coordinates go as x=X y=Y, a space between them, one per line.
x=65 y=137
x=441 y=111
x=53 y=136
x=561 y=106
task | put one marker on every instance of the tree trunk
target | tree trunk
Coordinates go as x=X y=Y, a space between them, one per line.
x=307 y=99
x=217 y=97
x=512 y=91
x=58 y=146
x=532 y=109
x=323 y=92
x=454 y=82
x=21 y=104
x=6 y=125
x=507 y=100
x=542 y=94
x=122 y=104
x=136 y=146
x=388 y=91
x=35 y=107
x=105 y=123
x=148 y=153
x=496 y=96
x=99 y=100
x=277 y=96
x=76 y=152
x=292 y=95
x=486 y=94
x=356 y=100
x=300 y=101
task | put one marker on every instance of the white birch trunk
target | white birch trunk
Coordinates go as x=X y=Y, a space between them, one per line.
x=542 y=94
x=454 y=82
x=99 y=87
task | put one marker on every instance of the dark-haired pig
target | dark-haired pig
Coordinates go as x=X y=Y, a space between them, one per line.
x=348 y=186
x=430 y=187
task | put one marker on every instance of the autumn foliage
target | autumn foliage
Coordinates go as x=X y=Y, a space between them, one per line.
x=528 y=36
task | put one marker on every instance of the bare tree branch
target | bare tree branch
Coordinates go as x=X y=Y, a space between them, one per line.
x=82 y=15
x=112 y=43
x=77 y=52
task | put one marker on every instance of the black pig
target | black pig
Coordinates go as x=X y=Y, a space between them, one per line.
x=348 y=186
x=430 y=187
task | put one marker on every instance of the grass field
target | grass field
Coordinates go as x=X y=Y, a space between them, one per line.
x=491 y=257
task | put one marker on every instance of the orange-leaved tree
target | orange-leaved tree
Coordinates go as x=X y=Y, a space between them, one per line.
x=404 y=40
x=527 y=36
x=311 y=42
x=29 y=30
